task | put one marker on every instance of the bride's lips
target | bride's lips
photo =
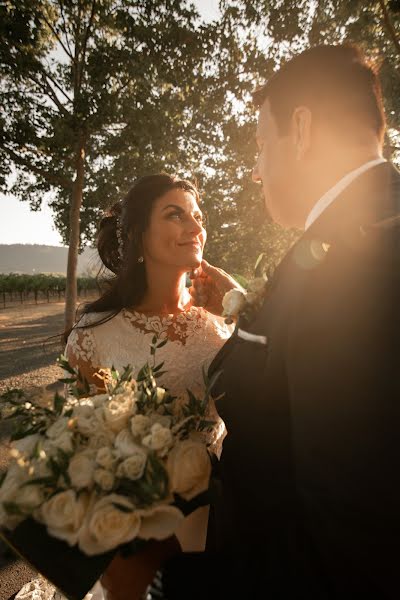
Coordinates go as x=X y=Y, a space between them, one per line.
x=195 y=245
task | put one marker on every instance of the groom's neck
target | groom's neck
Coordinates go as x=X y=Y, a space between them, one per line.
x=323 y=171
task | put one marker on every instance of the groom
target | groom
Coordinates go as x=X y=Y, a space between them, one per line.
x=310 y=469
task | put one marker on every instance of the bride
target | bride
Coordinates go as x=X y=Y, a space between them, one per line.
x=150 y=240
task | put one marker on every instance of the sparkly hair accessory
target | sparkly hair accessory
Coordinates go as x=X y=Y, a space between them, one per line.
x=119 y=238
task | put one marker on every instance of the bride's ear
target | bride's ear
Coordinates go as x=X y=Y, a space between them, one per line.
x=301 y=131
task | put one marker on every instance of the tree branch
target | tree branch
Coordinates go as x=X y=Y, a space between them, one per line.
x=85 y=41
x=389 y=25
x=56 y=84
x=65 y=26
x=51 y=178
x=58 y=38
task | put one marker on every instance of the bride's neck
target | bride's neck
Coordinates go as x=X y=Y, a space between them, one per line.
x=166 y=293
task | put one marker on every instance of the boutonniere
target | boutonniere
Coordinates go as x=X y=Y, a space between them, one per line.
x=246 y=302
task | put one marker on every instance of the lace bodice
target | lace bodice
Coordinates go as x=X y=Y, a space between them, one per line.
x=194 y=337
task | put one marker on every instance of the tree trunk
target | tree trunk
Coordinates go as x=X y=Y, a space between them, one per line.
x=74 y=238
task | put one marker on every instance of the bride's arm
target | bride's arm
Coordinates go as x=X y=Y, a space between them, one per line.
x=81 y=353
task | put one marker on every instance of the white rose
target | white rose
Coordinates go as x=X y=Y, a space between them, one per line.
x=105 y=479
x=124 y=444
x=256 y=285
x=189 y=469
x=106 y=526
x=81 y=469
x=100 y=399
x=105 y=457
x=30 y=497
x=27 y=444
x=63 y=515
x=64 y=442
x=58 y=428
x=160 y=439
x=15 y=477
x=40 y=468
x=160 y=522
x=85 y=418
x=133 y=466
x=100 y=438
x=140 y=425
x=233 y=302
x=118 y=411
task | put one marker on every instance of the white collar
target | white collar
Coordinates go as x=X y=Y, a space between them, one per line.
x=337 y=189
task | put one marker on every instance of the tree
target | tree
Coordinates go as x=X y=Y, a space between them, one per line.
x=93 y=93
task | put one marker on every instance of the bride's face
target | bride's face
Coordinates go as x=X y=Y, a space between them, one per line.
x=175 y=236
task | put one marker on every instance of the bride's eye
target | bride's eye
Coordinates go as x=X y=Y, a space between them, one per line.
x=175 y=215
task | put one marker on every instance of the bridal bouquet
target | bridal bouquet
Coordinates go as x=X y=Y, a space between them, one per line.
x=96 y=472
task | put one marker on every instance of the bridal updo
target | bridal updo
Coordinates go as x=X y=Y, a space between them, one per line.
x=119 y=242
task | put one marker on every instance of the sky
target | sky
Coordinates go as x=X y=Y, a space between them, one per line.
x=20 y=225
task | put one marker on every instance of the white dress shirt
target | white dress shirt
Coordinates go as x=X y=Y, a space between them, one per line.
x=337 y=189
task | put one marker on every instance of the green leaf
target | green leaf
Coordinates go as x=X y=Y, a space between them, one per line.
x=40 y=481
x=122 y=508
x=59 y=402
x=12 y=508
x=162 y=343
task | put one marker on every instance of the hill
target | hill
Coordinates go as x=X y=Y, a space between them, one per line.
x=35 y=258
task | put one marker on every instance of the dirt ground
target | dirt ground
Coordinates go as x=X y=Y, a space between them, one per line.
x=29 y=345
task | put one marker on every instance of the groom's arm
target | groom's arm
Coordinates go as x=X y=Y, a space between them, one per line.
x=343 y=360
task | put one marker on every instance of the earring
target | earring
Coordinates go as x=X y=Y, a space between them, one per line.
x=140 y=259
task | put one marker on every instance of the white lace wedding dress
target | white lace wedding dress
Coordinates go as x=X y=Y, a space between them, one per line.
x=194 y=338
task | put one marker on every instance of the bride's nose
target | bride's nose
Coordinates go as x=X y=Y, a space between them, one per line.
x=195 y=226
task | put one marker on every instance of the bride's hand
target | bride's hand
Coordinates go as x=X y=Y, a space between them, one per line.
x=209 y=285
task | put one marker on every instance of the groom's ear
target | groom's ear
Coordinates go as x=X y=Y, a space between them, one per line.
x=301 y=131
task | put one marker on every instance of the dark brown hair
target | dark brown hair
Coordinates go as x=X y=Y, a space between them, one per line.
x=127 y=287
x=336 y=83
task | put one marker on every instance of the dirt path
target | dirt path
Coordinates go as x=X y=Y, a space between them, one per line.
x=27 y=357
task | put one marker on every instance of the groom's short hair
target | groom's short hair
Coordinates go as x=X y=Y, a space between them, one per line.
x=336 y=83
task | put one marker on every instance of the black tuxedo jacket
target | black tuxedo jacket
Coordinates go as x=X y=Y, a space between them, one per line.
x=309 y=474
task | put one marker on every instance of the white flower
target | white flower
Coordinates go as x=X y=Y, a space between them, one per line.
x=133 y=466
x=189 y=469
x=100 y=399
x=64 y=442
x=160 y=439
x=160 y=522
x=107 y=526
x=233 y=302
x=30 y=497
x=63 y=515
x=160 y=393
x=256 y=285
x=27 y=444
x=124 y=444
x=100 y=438
x=105 y=479
x=140 y=425
x=81 y=469
x=118 y=411
x=58 y=428
x=15 y=477
x=85 y=418
x=105 y=457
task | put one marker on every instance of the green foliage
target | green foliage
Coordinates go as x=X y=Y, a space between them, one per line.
x=148 y=86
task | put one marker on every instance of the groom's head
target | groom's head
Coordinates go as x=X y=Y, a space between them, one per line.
x=320 y=116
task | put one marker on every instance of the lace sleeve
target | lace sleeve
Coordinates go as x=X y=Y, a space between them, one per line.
x=81 y=351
